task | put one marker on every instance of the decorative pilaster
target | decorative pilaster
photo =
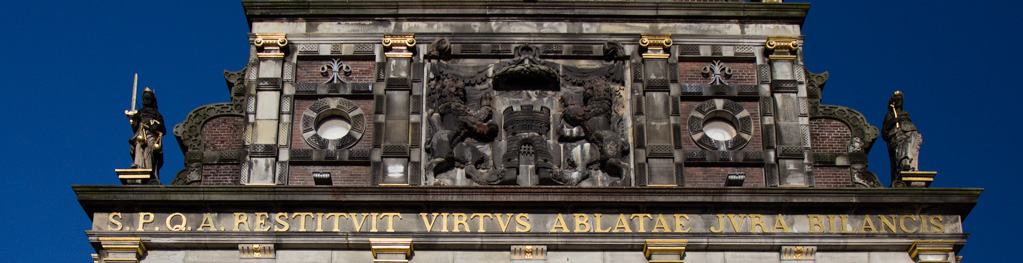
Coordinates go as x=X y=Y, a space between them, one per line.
x=665 y=250
x=933 y=251
x=263 y=112
x=391 y=250
x=394 y=149
x=528 y=253
x=657 y=122
x=789 y=125
x=798 y=254
x=252 y=251
x=121 y=249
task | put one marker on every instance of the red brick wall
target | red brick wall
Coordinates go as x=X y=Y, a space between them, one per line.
x=756 y=141
x=832 y=177
x=223 y=174
x=362 y=71
x=297 y=142
x=223 y=134
x=715 y=176
x=742 y=73
x=829 y=136
x=339 y=175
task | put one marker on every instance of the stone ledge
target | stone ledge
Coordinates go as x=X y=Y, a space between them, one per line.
x=952 y=201
x=791 y=12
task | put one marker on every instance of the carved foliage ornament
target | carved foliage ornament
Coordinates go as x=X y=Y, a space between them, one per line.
x=717 y=72
x=334 y=69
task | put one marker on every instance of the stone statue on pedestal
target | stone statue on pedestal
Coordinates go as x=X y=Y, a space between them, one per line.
x=147 y=142
x=902 y=136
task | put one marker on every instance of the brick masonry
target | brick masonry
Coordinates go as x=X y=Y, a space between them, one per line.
x=339 y=174
x=223 y=174
x=363 y=71
x=298 y=142
x=742 y=73
x=829 y=136
x=223 y=134
x=832 y=177
x=715 y=176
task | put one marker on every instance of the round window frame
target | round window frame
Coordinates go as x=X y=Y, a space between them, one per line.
x=727 y=110
x=331 y=107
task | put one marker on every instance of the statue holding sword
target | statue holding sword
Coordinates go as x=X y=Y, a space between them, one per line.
x=147 y=142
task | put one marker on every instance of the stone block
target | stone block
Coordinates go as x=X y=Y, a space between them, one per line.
x=842 y=257
x=889 y=257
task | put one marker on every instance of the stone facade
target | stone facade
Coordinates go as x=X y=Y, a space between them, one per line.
x=526 y=131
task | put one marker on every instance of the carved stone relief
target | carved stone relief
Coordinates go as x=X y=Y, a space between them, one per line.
x=526 y=120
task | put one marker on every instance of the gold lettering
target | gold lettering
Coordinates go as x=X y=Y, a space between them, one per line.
x=936 y=223
x=301 y=219
x=523 y=221
x=178 y=227
x=622 y=224
x=481 y=216
x=889 y=224
x=736 y=227
x=261 y=222
x=642 y=227
x=444 y=222
x=372 y=223
x=461 y=219
x=559 y=222
x=390 y=220
x=239 y=219
x=660 y=223
x=115 y=222
x=923 y=224
x=721 y=224
x=845 y=225
x=319 y=222
x=358 y=224
x=867 y=223
x=144 y=218
x=281 y=219
x=831 y=220
x=596 y=224
x=680 y=225
x=780 y=221
x=756 y=220
x=504 y=224
x=337 y=220
x=902 y=224
x=207 y=221
x=816 y=223
x=429 y=223
x=582 y=220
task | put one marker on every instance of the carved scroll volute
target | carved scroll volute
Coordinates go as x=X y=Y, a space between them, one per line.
x=782 y=47
x=655 y=45
x=269 y=45
x=398 y=45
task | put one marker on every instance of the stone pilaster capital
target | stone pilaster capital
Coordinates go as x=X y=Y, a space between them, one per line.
x=270 y=44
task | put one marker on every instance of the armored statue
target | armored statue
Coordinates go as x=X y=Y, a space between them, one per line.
x=902 y=137
x=602 y=148
x=147 y=142
x=453 y=123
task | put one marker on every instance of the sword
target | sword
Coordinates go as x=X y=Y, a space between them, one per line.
x=134 y=91
x=896 y=114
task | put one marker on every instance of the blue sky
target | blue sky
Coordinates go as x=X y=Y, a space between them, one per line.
x=68 y=67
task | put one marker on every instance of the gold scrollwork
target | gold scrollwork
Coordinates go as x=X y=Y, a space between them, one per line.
x=399 y=40
x=270 y=39
x=655 y=41
x=782 y=47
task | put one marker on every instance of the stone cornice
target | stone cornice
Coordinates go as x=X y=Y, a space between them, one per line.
x=950 y=201
x=542 y=10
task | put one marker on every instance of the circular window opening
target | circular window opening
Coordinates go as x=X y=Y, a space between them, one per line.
x=333 y=127
x=719 y=129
